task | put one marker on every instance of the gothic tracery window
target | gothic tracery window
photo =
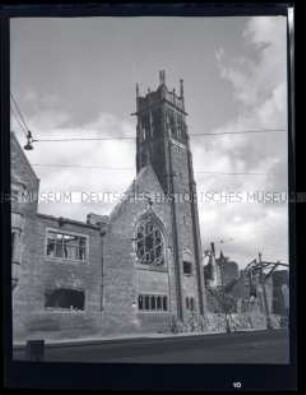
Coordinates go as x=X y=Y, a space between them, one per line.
x=149 y=242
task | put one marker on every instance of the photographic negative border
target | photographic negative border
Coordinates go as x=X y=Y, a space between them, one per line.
x=75 y=375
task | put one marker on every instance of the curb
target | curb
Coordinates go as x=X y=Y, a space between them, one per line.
x=126 y=340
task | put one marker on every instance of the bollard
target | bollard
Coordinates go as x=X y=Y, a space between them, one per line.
x=35 y=350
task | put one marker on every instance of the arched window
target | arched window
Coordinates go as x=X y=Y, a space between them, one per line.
x=147 y=302
x=149 y=242
x=159 y=302
x=191 y=304
x=165 y=304
x=140 y=302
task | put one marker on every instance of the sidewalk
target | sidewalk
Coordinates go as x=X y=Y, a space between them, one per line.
x=116 y=338
x=127 y=338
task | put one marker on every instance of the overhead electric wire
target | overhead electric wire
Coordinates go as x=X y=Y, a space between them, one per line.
x=84 y=139
x=18 y=121
x=70 y=139
x=231 y=173
x=22 y=123
x=19 y=112
x=82 y=167
x=239 y=132
x=132 y=169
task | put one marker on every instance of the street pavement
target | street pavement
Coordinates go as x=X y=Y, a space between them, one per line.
x=258 y=347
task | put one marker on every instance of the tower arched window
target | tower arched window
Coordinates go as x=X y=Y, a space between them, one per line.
x=149 y=242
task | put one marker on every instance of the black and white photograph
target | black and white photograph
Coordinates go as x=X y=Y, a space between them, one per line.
x=149 y=190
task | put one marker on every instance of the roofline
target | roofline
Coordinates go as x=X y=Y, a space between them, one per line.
x=142 y=171
x=68 y=221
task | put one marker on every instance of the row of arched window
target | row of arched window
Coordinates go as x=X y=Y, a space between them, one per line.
x=153 y=302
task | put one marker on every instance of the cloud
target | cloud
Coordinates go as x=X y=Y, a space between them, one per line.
x=219 y=54
x=257 y=78
x=258 y=81
x=247 y=228
x=100 y=166
x=254 y=80
x=47 y=121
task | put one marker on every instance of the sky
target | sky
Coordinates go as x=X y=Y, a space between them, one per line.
x=76 y=77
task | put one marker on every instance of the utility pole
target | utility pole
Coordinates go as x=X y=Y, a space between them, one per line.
x=228 y=328
x=262 y=282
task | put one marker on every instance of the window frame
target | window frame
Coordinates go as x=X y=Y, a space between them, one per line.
x=68 y=233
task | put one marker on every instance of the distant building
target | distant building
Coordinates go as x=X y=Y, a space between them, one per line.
x=220 y=270
x=241 y=291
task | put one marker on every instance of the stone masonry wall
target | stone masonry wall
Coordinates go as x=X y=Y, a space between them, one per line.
x=124 y=279
x=38 y=274
x=185 y=226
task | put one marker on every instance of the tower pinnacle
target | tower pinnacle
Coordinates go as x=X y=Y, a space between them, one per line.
x=181 y=88
x=162 y=77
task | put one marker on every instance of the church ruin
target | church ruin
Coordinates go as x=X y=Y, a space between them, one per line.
x=131 y=271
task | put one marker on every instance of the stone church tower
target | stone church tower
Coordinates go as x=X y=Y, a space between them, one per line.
x=163 y=142
x=152 y=268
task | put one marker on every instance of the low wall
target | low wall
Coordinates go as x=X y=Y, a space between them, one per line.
x=216 y=322
x=60 y=325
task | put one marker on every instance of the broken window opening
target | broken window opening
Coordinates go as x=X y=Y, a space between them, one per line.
x=62 y=298
x=66 y=246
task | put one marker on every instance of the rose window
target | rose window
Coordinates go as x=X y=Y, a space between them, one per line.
x=149 y=243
